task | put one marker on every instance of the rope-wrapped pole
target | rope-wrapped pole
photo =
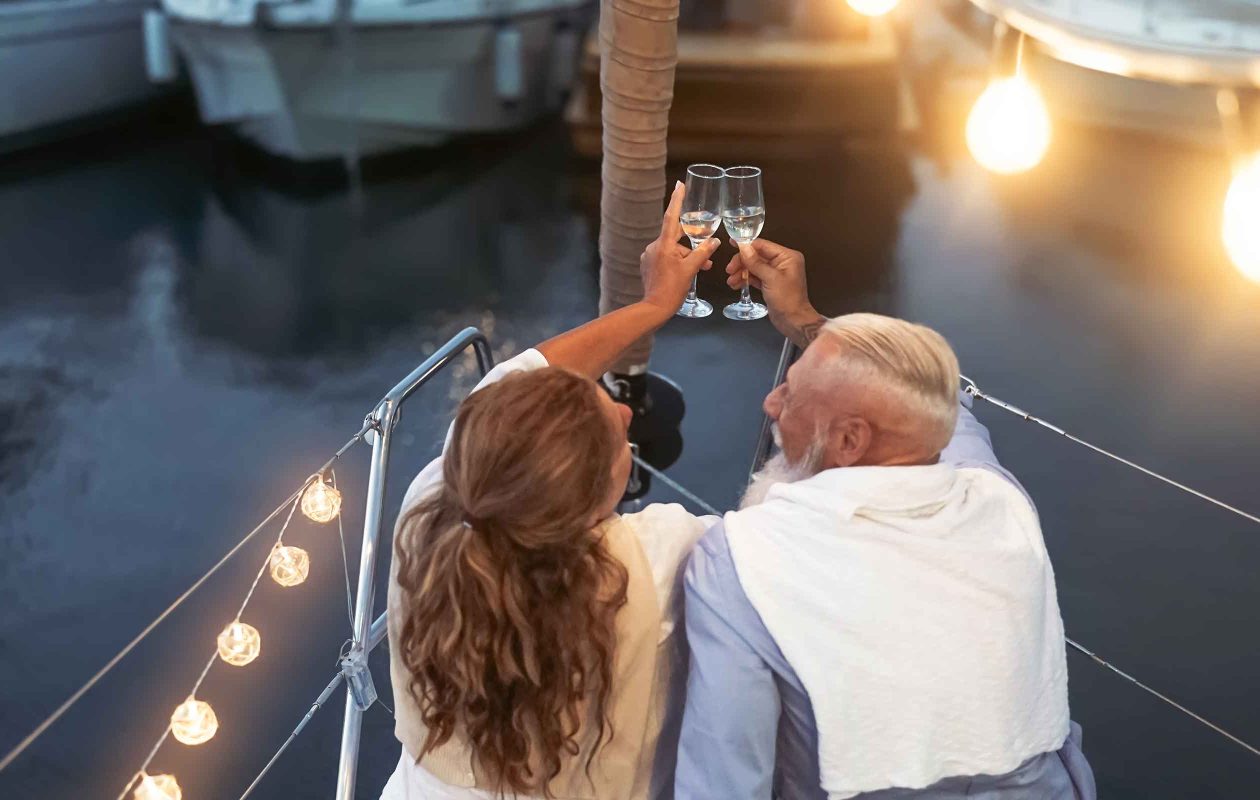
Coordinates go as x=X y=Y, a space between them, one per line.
x=638 y=44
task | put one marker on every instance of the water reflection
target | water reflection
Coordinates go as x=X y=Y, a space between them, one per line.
x=285 y=274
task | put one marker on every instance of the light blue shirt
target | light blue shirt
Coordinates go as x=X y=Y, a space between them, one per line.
x=748 y=730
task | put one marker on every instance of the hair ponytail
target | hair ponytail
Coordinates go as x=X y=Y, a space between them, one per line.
x=510 y=597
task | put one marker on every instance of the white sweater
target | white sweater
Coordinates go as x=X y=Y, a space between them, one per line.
x=917 y=606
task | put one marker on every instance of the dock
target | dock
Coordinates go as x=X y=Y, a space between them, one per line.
x=768 y=94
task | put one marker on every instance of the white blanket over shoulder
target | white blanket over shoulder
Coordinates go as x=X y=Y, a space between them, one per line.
x=917 y=606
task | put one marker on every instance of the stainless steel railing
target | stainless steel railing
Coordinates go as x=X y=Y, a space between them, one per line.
x=765 y=439
x=368 y=632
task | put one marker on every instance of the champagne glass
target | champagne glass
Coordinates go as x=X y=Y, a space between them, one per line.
x=700 y=217
x=743 y=214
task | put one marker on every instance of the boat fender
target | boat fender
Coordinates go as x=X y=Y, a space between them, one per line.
x=159 y=53
x=509 y=68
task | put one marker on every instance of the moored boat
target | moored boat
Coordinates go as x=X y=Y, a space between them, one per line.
x=321 y=79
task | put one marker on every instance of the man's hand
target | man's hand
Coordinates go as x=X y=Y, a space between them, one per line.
x=780 y=275
x=667 y=266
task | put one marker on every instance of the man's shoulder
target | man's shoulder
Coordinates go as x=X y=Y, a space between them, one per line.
x=711 y=571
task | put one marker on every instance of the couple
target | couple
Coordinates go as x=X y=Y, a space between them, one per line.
x=878 y=620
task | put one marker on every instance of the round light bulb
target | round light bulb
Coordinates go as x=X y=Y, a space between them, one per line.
x=158 y=787
x=1241 y=227
x=872 y=8
x=289 y=565
x=321 y=502
x=194 y=722
x=1008 y=130
x=239 y=644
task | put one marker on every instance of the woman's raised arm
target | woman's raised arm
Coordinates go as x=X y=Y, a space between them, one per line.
x=667 y=269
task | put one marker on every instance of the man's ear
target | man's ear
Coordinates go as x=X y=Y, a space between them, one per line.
x=849 y=441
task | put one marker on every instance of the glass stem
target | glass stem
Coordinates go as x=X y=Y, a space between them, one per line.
x=744 y=297
x=691 y=296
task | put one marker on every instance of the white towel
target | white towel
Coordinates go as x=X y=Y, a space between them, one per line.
x=917 y=606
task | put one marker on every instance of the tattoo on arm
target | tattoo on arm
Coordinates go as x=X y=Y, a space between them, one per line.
x=810 y=330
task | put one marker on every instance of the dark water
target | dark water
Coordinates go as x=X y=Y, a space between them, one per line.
x=183 y=339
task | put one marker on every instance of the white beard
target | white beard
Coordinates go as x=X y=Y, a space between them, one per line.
x=780 y=470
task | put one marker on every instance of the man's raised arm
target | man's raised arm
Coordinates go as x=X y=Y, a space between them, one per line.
x=779 y=272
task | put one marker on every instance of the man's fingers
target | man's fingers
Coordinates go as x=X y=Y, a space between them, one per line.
x=767 y=249
x=737 y=282
x=671 y=225
x=752 y=261
x=706 y=266
x=736 y=264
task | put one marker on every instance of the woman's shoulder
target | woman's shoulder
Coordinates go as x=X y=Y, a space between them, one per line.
x=667 y=532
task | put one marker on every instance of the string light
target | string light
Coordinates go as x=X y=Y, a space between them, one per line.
x=1240 y=229
x=289 y=565
x=158 y=787
x=321 y=502
x=194 y=722
x=239 y=644
x=872 y=8
x=1008 y=130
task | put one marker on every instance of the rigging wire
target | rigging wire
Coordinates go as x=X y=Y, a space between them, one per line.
x=78 y=694
x=974 y=391
x=1107 y=665
x=214 y=656
x=676 y=486
x=315 y=706
x=345 y=561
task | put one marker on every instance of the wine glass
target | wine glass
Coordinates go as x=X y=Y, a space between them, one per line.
x=700 y=217
x=743 y=214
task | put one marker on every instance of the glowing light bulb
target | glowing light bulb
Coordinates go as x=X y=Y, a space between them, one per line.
x=289 y=565
x=872 y=8
x=158 y=787
x=239 y=644
x=1008 y=130
x=321 y=502
x=1241 y=227
x=194 y=722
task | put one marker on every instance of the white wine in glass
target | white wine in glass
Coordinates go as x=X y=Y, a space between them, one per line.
x=744 y=215
x=744 y=224
x=700 y=217
x=699 y=225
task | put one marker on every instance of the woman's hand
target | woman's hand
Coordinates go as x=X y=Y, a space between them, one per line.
x=667 y=267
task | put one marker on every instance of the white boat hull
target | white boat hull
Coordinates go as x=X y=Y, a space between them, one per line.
x=66 y=61
x=300 y=92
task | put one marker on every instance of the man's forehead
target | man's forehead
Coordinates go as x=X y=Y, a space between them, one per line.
x=822 y=353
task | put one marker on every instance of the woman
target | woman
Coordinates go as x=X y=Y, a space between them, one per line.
x=531 y=627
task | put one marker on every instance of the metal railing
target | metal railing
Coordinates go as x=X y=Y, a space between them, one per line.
x=765 y=439
x=369 y=632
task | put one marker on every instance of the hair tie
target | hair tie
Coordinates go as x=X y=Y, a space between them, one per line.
x=470 y=522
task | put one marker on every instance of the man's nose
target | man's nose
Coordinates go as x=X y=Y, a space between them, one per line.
x=773 y=403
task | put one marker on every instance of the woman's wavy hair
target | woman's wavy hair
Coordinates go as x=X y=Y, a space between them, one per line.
x=510 y=597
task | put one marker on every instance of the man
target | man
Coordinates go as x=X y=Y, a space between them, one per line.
x=879 y=620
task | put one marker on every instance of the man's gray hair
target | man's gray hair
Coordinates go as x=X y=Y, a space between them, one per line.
x=913 y=360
